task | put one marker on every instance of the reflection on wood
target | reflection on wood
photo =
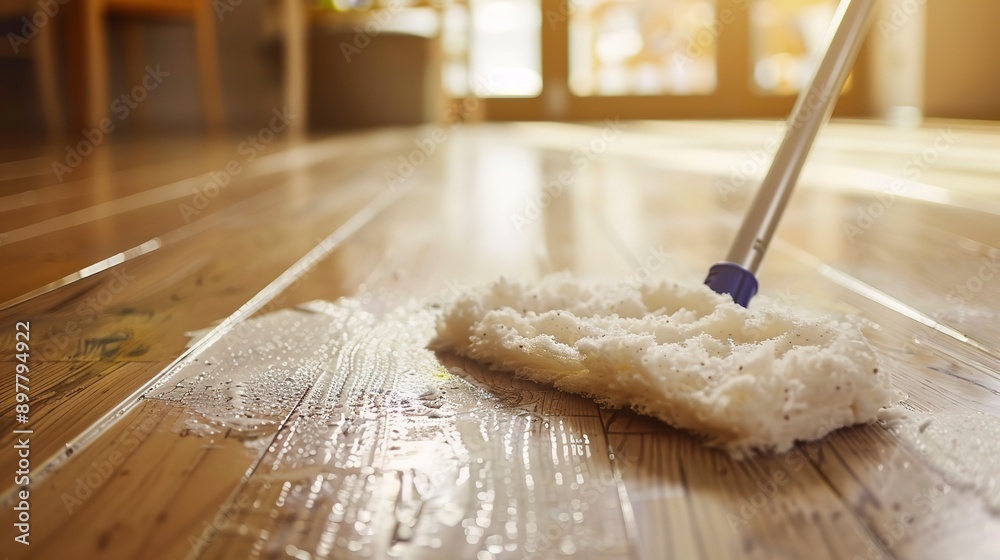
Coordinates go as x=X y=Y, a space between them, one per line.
x=352 y=454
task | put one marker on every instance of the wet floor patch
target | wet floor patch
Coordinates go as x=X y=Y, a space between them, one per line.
x=371 y=446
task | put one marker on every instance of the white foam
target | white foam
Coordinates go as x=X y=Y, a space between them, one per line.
x=963 y=446
x=758 y=379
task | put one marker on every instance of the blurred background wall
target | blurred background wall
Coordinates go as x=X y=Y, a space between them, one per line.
x=963 y=59
x=532 y=59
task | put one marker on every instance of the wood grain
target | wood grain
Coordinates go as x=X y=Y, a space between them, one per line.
x=341 y=455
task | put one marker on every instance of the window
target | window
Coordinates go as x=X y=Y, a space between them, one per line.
x=786 y=40
x=634 y=59
x=497 y=52
x=649 y=47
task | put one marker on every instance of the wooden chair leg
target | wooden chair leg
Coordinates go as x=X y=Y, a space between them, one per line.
x=46 y=72
x=95 y=46
x=296 y=96
x=135 y=61
x=208 y=66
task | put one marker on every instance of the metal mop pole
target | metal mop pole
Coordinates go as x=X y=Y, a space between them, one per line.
x=735 y=276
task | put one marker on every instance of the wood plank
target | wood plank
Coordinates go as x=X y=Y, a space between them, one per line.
x=140 y=310
x=348 y=452
x=86 y=232
x=65 y=397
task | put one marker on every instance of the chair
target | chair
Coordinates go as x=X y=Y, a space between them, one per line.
x=42 y=48
x=95 y=50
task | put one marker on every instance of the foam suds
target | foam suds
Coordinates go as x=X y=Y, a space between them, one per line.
x=251 y=380
x=963 y=446
x=747 y=380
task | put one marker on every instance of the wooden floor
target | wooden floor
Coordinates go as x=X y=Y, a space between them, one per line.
x=354 y=443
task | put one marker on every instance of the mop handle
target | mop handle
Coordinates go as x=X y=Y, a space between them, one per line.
x=812 y=109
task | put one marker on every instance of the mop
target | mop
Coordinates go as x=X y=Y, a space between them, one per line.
x=694 y=356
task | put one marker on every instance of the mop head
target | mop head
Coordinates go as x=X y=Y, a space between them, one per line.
x=746 y=380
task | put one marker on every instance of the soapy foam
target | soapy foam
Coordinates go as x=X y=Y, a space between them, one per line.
x=746 y=380
x=963 y=446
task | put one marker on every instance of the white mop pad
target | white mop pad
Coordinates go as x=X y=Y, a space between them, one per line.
x=758 y=379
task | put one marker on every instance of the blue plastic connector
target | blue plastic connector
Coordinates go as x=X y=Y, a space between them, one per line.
x=733 y=279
